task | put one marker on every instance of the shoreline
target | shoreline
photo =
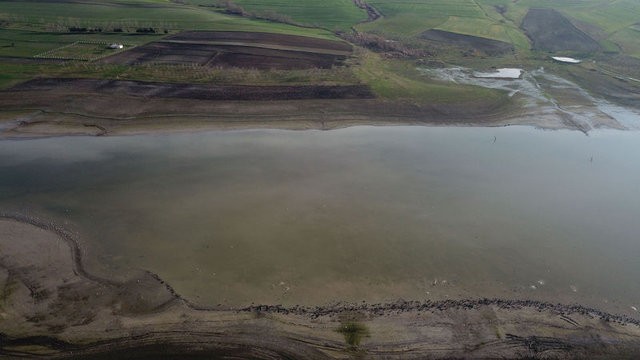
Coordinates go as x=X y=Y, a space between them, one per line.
x=151 y=309
x=65 y=112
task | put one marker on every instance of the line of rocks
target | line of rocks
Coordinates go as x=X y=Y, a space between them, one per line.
x=402 y=306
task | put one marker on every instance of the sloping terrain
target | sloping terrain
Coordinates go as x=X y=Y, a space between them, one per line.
x=329 y=14
x=239 y=49
x=551 y=31
x=487 y=46
x=193 y=91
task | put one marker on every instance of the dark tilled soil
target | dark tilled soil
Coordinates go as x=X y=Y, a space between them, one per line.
x=159 y=52
x=487 y=46
x=551 y=31
x=261 y=38
x=225 y=56
x=194 y=91
x=243 y=57
x=196 y=50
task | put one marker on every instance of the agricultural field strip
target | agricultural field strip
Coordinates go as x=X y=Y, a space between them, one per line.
x=481 y=18
x=51 y=53
x=467 y=17
x=263 y=46
x=41 y=15
x=330 y=14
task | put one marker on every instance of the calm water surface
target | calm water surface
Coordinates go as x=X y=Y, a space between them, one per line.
x=363 y=213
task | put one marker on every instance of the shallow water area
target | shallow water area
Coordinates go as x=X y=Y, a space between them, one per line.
x=363 y=213
x=503 y=73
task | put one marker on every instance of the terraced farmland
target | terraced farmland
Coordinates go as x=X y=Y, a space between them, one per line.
x=238 y=49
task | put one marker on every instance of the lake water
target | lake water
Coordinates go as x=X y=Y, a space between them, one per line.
x=363 y=213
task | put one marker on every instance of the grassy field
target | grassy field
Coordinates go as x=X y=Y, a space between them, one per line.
x=400 y=80
x=410 y=18
x=30 y=29
x=608 y=22
x=328 y=14
x=132 y=14
x=29 y=43
x=611 y=23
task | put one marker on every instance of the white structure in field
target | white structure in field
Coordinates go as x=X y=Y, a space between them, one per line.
x=116 y=46
x=504 y=73
x=566 y=60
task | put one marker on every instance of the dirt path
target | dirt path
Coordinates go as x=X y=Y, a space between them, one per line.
x=372 y=12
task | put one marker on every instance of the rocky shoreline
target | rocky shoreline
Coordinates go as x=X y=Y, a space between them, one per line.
x=402 y=306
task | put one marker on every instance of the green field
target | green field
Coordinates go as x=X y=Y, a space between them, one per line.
x=409 y=18
x=329 y=14
x=41 y=28
x=609 y=22
x=601 y=19
x=132 y=14
x=29 y=43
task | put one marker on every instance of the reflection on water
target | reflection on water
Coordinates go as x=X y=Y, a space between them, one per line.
x=363 y=213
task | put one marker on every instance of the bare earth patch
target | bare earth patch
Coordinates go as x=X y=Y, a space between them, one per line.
x=551 y=31
x=487 y=46
x=238 y=49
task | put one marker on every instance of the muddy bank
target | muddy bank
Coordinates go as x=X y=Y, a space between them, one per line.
x=551 y=101
x=52 y=308
x=197 y=92
x=92 y=107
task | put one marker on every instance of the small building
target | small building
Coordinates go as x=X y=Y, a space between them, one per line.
x=116 y=46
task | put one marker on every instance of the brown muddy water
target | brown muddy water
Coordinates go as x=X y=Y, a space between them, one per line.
x=359 y=214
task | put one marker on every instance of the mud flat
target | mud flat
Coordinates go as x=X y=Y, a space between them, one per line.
x=198 y=92
x=102 y=107
x=52 y=308
x=549 y=101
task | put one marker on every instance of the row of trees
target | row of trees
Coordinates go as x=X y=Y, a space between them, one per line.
x=118 y=27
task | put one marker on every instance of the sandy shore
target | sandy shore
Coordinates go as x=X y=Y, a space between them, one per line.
x=50 y=306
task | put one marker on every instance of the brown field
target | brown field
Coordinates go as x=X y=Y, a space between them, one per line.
x=487 y=46
x=238 y=49
x=196 y=91
x=261 y=38
x=551 y=31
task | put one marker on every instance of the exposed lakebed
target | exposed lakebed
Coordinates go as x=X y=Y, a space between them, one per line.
x=364 y=213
